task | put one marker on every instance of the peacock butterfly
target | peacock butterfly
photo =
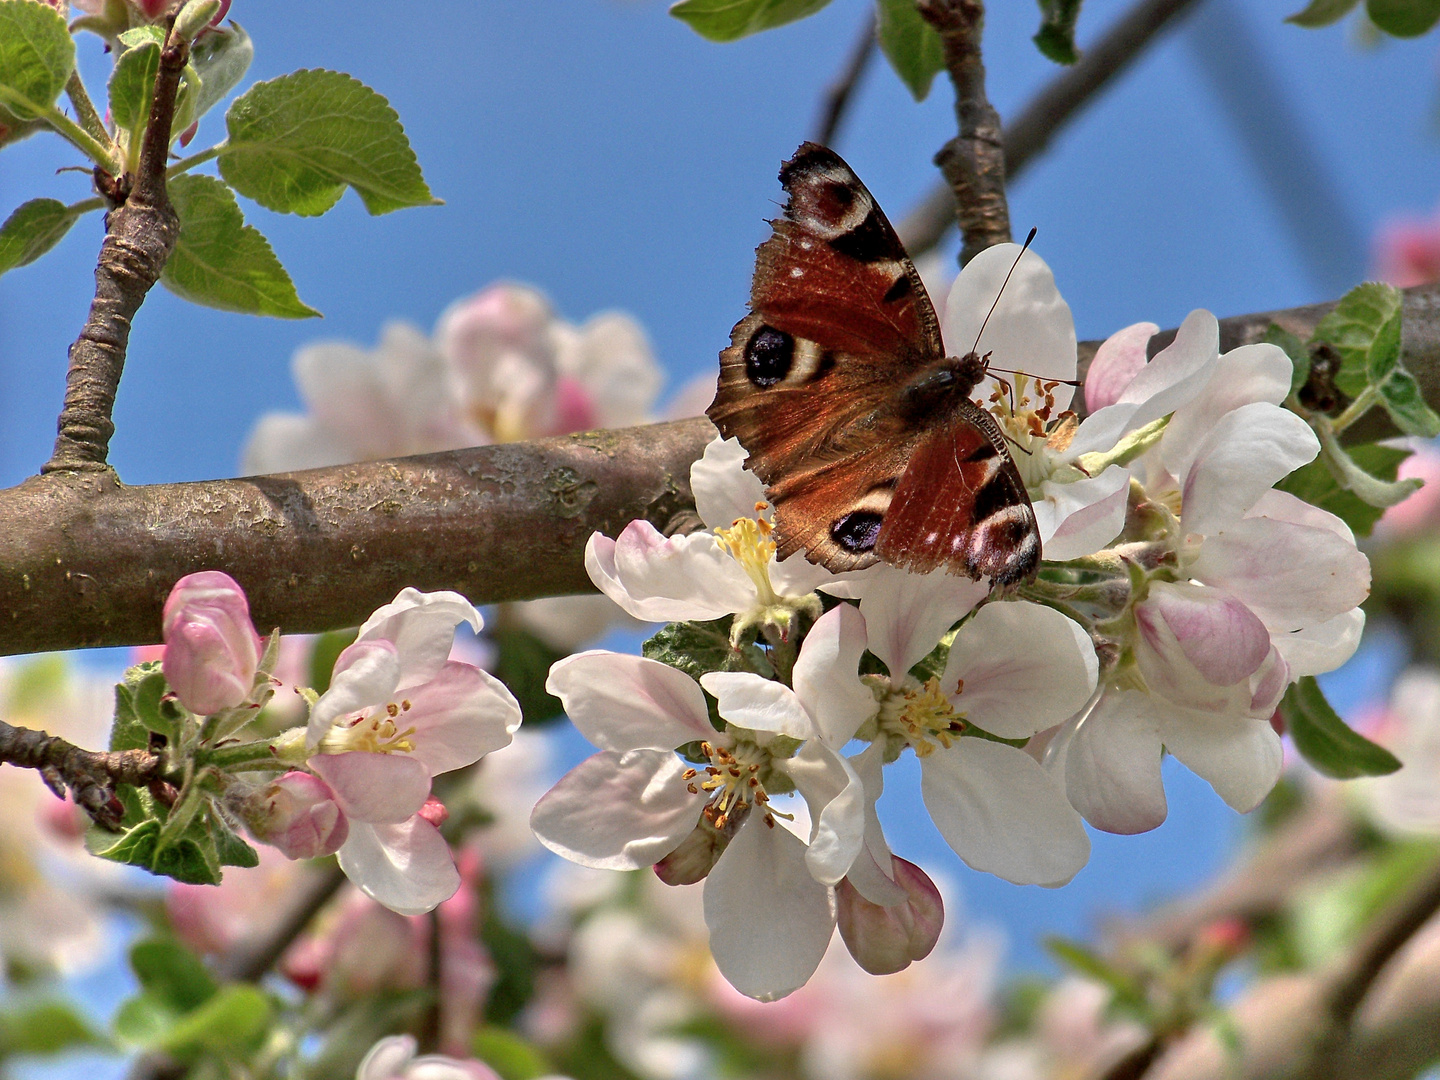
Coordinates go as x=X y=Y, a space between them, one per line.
x=861 y=428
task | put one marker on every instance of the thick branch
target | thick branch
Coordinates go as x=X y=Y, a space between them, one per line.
x=140 y=233
x=1054 y=106
x=90 y=776
x=86 y=561
x=974 y=161
x=839 y=92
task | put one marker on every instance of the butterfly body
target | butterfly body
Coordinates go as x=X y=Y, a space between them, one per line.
x=860 y=426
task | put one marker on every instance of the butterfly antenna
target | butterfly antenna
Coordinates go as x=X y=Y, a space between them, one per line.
x=1023 y=248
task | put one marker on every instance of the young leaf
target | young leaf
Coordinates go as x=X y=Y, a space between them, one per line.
x=221 y=262
x=191 y=858
x=1294 y=348
x=132 y=84
x=44 y=1028
x=1403 y=18
x=137 y=708
x=230 y=849
x=32 y=230
x=1351 y=326
x=221 y=57
x=36 y=57
x=1325 y=741
x=910 y=44
x=1056 y=37
x=1322 y=12
x=1350 y=476
x=296 y=142
x=172 y=974
x=1317 y=485
x=1399 y=392
x=510 y=1055
x=730 y=20
x=234 y=1020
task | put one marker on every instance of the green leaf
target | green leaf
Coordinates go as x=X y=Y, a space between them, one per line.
x=230 y=848
x=1352 y=325
x=132 y=84
x=1294 y=348
x=1084 y=961
x=1056 y=37
x=43 y=1028
x=910 y=44
x=33 y=229
x=1399 y=392
x=138 y=710
x=36 y=57
x=1326 y=741
x=221 y=57
x=509 y=1055
x=517 y=965
x=1322 y=12
x=730 y=20
x=220 y=261
x=523 y=664
x=698 y=647
x=190 y=858
x=297 y=141
x=328 y=647
x=1403 y=18
x=142 y=1021
x=1317 y=485
x=172 y=974
x=232 y=1021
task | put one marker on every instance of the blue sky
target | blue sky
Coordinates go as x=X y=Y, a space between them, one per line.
x=600 y=150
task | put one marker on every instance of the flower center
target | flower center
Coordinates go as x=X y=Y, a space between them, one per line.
x=921 y=716
x=1024 y=418
x=748 y=542
x=373 y=731
x=733 y=778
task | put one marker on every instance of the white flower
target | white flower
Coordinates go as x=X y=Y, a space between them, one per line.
x=397 y=713
x=1408 y=801
x=393 y=1058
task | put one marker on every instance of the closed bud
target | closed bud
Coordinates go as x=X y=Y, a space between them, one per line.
x=884 y=940
x=701 y=850
x=297 y=813
x=211 y=648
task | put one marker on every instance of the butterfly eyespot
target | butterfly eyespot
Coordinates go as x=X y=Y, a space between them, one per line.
x=768 y=356
x=857 y=531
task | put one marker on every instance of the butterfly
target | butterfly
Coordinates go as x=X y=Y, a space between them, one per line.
x=861 y=428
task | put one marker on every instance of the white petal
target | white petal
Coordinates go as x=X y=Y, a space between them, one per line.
x=365 y=674
x=1243 y=376
x=836 y=798
x=724 y=489
x=600 y=565
x=623 y=702
x=1112 y=764
x=1282 y=506
x=770 y=920
x=1117 y=361
x=1003 y=814
x=618 y=811
x=797 y=575
x=612 y=355
x=460 y=716
x=1244 y=454
x=422 y=626
x=1031 y=328
x=873 y=869
x=1321 y=648
x=826 y=676
x=1291 y=576
x=1025 y=668
x=386 y=1060
x=1079 y=519
x=1239 y=756
x=407 y=867
x=907 y=614
x=282 y=442
x=750 y=701
x=677 y=579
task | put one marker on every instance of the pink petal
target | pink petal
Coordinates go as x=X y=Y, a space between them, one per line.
x=365 y=675
x=459 y=716
x=375 y=788
x=624 y=702
x=1119 y=359
x=1222 y=638
x=406 y=866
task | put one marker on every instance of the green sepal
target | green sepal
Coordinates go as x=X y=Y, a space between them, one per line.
x=730 y=20
x=33 y=229
x=1331 y=746
x=911 y=44
x=37 y=56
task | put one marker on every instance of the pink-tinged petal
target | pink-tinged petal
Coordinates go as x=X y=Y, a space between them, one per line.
x=1268 y=685
x=459 y=716
x=1023 y=668
x=365 y=674
x=677 y=578
x=884 y=940
x=724 y=489
x=826 y=676
x=1031 y=327
x=770 y=920
x=760 y=704
x=872 y=873
x=1111 y=764
x=1243 y=376
x=298 y=814
x=422 y=628
x=907 y=614
x=1246 y=452
x=211 y=648
x=1318 y=649
x=1119 y=359
x=1003 y=814
x=1239 y=756
x=624 y=702
x=619 y=811
x=836 y=798
x=1290 y=576
x=440 y=1067
x=1282 y=506
x=1212 y=631
x=797 y=575
x=376 y=788
x=406 y=867
x=386 y=1060
x=1080 y=518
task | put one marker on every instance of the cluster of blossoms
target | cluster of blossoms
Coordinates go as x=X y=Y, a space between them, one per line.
x=398 y=712
x=1181 y=595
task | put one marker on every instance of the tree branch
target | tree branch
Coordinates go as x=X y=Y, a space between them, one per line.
x=839 y=92
x=140 y=234
x=90 y=776
x=1050 y=110
x=974 y=161
x=251 y=959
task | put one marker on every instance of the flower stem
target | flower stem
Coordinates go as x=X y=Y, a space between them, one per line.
x=83 y=140
x=85 y=111
x=188 y=163
x=1356 y=409
x=246 y=757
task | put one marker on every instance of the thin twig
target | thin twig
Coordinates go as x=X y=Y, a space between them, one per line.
x=89 y=775
x=250 y=960
x=140 y=234
x=1051 y=109
x=839 y=93
x=974 y=161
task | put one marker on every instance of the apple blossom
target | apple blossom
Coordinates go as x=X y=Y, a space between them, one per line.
x=883 y=939
x=211 y=648
x=393 y=1058
x=296 y=813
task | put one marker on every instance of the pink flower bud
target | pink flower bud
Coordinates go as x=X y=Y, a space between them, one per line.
x=297 y=813
x=700 y=851
x=211 y=648
x=884 y=940
x=434 y=811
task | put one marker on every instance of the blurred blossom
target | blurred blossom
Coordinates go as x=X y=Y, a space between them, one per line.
x=211 y=647
x=393 y=1058
x=1408 y=801
x=248 y=902
x=1420 y=512
x=1407 y=251
x=506 y=786
x=1073 y=1035
x=357 y=949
